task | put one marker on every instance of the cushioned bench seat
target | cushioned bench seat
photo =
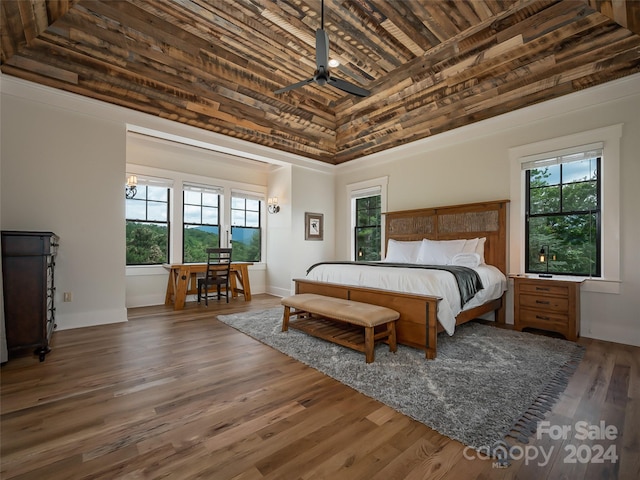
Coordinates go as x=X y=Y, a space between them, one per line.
x=318 y=315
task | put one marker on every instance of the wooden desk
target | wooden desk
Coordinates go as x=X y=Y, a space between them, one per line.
x=183 y=281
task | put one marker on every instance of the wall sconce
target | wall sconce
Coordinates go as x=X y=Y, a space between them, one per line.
x=131 y=189
x=273 y=206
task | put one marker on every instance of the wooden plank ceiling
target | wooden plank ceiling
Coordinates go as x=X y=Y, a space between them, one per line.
x=431 y=65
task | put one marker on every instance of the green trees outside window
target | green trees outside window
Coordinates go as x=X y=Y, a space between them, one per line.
x=368 y=228
x=564 y=218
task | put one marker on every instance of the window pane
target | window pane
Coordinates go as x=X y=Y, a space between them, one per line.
x=192 y=197
x=192 y=214
x=579 y=171
x=237 y=217
x=367 y=244
x=569 y=242
x=210 y=199
x=253 y=204
x=157 y=211
x=253 y=219
x=579 y=196
x=210 y=215
x=545 y=200
x=197 y=239
x=136 y=210
x=141 y=192
x=237 y=202
x=541 y=177
x=147 y=243
x=246 y=244
x=160 y=194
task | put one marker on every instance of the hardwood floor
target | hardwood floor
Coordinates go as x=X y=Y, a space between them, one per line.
x=181 y=395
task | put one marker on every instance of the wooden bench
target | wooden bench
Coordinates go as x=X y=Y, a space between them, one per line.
x=341 y=321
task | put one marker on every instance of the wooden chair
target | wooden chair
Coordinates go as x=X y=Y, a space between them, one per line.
x=218 y=273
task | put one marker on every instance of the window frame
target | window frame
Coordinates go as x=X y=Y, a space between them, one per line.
x=143 y=184
x=201 y=189
x=377 y=186
x=561 y=212
x=609 y=139
x=240 y=195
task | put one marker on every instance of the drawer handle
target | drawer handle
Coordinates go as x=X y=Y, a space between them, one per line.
x=543 y=302
x=542 y=318
x=542 y=289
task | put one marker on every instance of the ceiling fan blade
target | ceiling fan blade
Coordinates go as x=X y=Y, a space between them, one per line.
x=348 y=87
x=295 y=85
x=322 y=50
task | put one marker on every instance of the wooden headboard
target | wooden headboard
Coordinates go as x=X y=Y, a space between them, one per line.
x=483 y=219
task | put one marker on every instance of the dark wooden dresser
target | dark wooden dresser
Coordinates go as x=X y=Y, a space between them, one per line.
x=28 y=264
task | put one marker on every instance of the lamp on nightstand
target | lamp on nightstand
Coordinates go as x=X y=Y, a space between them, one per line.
x=544 y=258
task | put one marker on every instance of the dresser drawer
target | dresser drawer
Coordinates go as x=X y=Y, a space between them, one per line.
x=546 y=303
x=560 y=290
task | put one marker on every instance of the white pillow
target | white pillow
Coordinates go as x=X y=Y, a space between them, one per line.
x=439 y=252
x=480 y=249
x=402 y=252
x=470 y=245
x=465 y=259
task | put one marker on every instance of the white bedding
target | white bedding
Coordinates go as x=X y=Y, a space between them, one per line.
x=416 y=280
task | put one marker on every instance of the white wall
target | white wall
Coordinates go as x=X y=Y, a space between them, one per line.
x=62 y=172
x=279 y=238
x=312 y=192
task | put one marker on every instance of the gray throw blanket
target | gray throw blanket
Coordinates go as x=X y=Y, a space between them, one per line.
x=468 y=280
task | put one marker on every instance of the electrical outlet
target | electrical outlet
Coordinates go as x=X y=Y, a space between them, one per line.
x=67 y=296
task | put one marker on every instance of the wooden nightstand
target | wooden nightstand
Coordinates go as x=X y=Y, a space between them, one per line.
x=551 y=304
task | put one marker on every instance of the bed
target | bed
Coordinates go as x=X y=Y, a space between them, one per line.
x=419 y=322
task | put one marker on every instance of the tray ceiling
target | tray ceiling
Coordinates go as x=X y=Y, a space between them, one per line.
x=431 y=65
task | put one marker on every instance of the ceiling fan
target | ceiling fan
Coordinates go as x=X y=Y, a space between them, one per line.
x=322 y=75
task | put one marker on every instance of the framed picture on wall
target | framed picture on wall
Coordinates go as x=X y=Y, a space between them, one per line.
x=313 y=226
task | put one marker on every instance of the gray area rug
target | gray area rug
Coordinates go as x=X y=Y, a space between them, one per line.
x=486 y=384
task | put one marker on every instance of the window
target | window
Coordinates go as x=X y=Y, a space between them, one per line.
x=201 y=221
x=563 y=198
x=147 y=231
x=366 y=223
x=246 y=231
x=523 y=158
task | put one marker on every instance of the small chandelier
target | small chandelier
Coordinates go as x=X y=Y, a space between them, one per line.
x=131 y=189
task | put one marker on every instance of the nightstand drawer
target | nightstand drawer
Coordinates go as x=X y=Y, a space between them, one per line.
x=545 y=321
x=543 y=289
x=556 y=304
x=539 y=318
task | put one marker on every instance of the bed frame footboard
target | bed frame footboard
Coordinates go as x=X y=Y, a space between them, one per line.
x=417 y=326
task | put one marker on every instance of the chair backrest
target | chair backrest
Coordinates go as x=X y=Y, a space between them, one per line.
x=218 y=262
